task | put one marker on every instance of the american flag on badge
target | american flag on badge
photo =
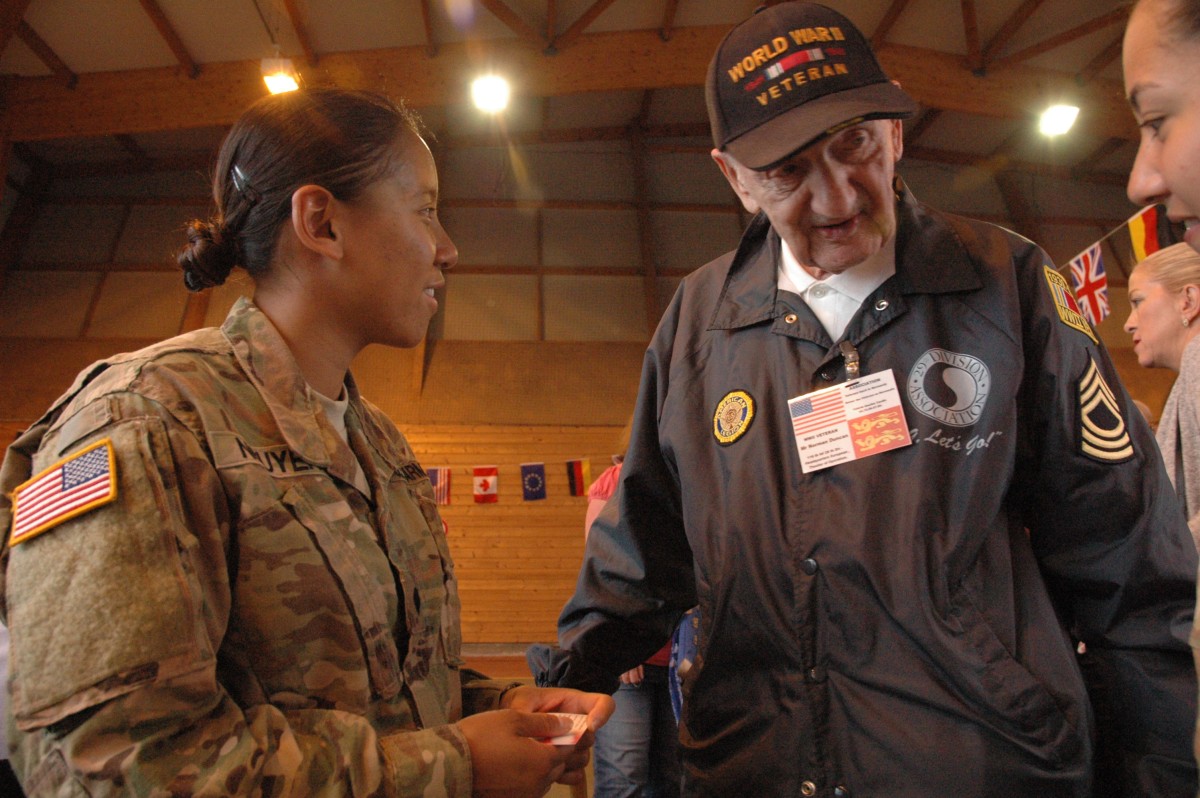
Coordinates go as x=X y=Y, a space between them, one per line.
x=70 y=487
x=440 y=479
x=816 y=411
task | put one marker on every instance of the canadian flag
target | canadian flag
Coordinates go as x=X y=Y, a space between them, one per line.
x=485 y=484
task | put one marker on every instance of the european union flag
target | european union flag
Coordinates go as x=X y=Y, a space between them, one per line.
x=533 y=481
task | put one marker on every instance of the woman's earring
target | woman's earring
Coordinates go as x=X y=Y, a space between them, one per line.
x=1186 y=321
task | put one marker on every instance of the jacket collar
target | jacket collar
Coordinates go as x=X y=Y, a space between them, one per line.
x=274 y=373
x=925 y=245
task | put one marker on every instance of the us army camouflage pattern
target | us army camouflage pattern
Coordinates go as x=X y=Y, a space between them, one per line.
x=242 y=619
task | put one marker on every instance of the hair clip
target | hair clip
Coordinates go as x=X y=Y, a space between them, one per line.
x=242 y=185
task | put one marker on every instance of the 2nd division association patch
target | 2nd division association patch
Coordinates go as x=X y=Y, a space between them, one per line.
x=74 y=485
x=1103 y=434
x=1065 y=304
x=733 y=416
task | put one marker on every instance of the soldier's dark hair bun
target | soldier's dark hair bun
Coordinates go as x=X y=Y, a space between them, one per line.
x=340 y=139
x=209 y=256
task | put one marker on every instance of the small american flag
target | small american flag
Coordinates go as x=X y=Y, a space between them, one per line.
x=70 y=487
x=813 y=412
x=440 y=479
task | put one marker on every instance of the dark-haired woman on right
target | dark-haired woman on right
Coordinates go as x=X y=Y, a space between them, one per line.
x=1161 y=59
x=224 y=571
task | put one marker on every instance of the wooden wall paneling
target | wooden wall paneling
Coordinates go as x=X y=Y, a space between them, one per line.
x=516 y=561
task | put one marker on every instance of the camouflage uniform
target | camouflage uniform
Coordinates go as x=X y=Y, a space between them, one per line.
x=240 y=619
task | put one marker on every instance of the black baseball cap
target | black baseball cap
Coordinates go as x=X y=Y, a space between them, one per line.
x=790 y=75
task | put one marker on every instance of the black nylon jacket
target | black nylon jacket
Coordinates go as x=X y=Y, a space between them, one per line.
x=904 y=624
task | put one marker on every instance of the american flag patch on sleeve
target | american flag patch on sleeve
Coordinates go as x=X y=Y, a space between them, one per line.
x=74 y=485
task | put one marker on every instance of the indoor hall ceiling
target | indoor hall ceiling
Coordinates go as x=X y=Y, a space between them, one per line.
x=152 y=84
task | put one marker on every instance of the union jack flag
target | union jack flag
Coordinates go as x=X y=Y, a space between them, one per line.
x=1090 y=284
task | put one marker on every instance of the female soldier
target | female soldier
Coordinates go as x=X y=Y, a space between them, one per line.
x=1162 y=59
x=225 y=572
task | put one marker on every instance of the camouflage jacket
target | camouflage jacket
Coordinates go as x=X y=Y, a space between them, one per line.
x=229 y=614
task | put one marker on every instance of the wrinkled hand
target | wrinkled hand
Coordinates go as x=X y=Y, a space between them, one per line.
x=597 y=706
x=633 y=676
x=508 y=759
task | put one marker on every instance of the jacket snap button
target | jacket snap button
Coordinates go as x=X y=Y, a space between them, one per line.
x=881 y=304
x=841 y=792
x=808 y=788
x=809 y=566
x=790 y=318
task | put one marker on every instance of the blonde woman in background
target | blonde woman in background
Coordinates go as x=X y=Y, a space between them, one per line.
x=1164 y=297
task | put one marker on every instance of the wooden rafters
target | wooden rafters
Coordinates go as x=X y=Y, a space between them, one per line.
x=169 y=35
x=1087 y=164
x=1098 y=64
x=922 y=124
x=130 y=145
x=1000 y=161
x=513 y=21
x=571 y=34
x=142 y=100
x=1078 y=32
x=668 y=23
x=971 y=32
x=888 y=22
x=11 y=14
x=1009 y=29
x=431 y=47
x=302 y=34
x=46 y=55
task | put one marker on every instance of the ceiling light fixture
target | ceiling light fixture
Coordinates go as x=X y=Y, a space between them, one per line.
x=1058 y=119
x=278 y=73
x=490 y=93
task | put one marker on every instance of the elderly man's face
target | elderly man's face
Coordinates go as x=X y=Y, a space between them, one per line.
x=832 y=202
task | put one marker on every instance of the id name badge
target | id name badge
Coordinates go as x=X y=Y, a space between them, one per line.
x=847 y=422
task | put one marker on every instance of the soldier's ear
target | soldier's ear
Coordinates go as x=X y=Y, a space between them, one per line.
x=314 y=212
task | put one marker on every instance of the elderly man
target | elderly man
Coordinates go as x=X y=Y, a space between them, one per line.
x=890 y=461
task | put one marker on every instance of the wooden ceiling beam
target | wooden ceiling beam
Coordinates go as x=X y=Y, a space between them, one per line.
x=1009 y=29
x=571 y=34
x=1118 y=15
x=133 y=101
x=668 y=23
x=513 y=22
x=922 y=124
x=302 y=35
x=1003 y=163
x=11 y=14
x=971 y=32
x=431 y=46
x=1098 y=64
x=169 y=35
x=888 y=22
x=46 y=54
x=130 y=145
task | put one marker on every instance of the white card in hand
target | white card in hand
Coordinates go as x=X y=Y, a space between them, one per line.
x=578 y=727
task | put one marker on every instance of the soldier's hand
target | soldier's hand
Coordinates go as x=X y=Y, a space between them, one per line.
x=508 y=759
x=597 y=706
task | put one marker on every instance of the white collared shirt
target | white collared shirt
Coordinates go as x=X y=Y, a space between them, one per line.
x=836 y=299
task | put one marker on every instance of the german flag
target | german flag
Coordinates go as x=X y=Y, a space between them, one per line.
x=1145 y=233
x=579 y=476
